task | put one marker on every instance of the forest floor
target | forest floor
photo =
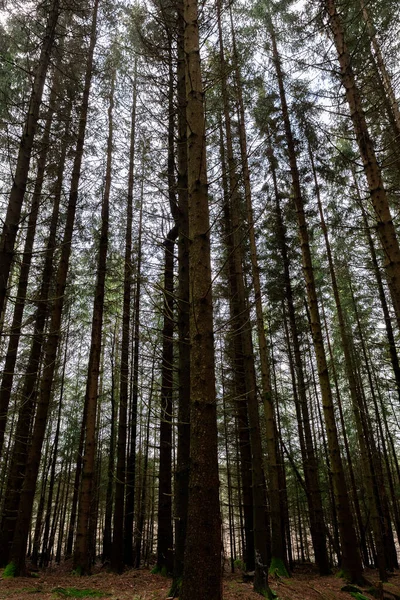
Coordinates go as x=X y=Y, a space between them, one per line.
x=58 y=583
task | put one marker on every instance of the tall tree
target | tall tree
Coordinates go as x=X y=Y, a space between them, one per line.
x=33 y=462
x=117 y=556
x=13 y=215
x=82 y=554
x=203 y=552
x=351 y=561
x=385 y=226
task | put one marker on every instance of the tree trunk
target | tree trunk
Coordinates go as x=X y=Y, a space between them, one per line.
x=203 y=535
x=82 y=554
x=354 y=390
x=181 y=487
x=164 y=520
x=29 y=390
x=310 y=465
x=28 y=490
x=385 y=226
x=117 y=553
x=107 y=534
x=15 y=331
x=20 y=179
x=278 y=549
x=351 y=562
x=131 y=462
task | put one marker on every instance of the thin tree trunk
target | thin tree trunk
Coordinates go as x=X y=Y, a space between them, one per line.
x=279 y=560
x=131 y=462
x=385 y=226
x=164 y=520
x=15 y=331
x=139 y=537
x=20 y=179
x=317 y=525
x=362 y=432
x=382 y=296
x=383 y=72
x=29 y=389
x=107 y=535
x=244 y=354
x=239 y=382
x=164 y=527
x=117 y=553
x=45 y=557
x=28 y=490
x=351 y=561
x=82 y=554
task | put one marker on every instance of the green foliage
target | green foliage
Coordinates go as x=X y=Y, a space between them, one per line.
x=162 y=571
x=10 y=570
x=359 y=596
x=270 y=594
x=277 y=568
x=77 y=593
x=341 y=574
x=175 y=588
x=239 y=564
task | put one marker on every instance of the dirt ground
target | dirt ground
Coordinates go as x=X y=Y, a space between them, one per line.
x=57 y=583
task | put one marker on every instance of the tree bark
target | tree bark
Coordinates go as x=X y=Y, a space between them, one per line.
x=28 y=490
x=203 y=536
x=181 y=486
x=117 y=554
x=385 y=227
x=82 y=555
x=13 y=215
x=351 y=561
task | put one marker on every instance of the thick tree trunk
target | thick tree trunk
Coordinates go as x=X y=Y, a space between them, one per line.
x=181 y=487
x=203 y=536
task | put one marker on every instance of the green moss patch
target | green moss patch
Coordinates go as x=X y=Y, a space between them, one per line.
x=78 y=593
x=350 y=588
x=277 y=568
x=359 y=596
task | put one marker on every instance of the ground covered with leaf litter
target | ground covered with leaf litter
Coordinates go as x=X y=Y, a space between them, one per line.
x=58 y=583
